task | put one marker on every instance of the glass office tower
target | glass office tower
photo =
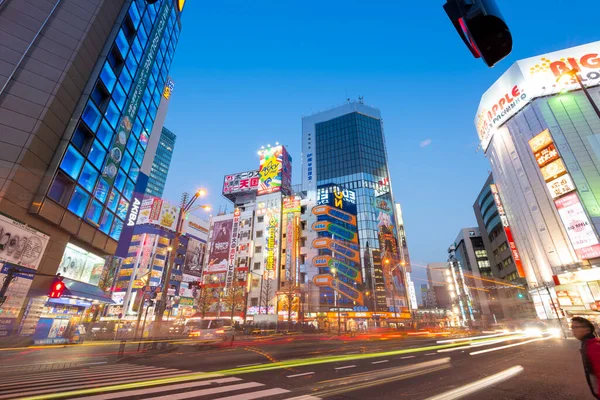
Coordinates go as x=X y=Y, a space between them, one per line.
x=345 y=146
x=161 y=164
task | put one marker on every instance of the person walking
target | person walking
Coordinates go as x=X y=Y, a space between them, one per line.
x=584 y=331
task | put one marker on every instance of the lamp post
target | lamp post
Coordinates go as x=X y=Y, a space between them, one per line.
x=185 y=208
x=337 y=301
x=573 y=73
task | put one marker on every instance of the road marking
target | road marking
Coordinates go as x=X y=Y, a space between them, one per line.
x=379 y=362
x=205 y=392
x=404 y=358
x=347 y=366
x=158 y=389
x=507 y=346
x=247 y=365
x=473 y=387
x=297 y=375
x=467 y=339
x=430 y=354
x=353 y=352
x=255 y=395
x=305 y=397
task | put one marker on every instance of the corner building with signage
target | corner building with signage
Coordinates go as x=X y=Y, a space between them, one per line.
x=343 y=150
x=540 y=132
x=75 y=121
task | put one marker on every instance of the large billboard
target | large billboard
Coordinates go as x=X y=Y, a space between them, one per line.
x=338 y=197
x=275 y=171
x=156 y=211
x=219 y=246
x=534 y=77
x=242 y=182
x=21 y=244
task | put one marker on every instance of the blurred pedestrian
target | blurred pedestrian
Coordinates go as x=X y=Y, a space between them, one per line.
x=584 y=331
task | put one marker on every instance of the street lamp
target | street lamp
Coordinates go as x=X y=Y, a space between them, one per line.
x=185 y=208
x=337 y=300
x=574 y=74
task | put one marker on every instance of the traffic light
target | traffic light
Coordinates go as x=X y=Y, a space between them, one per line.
x=481 y=26
x=57 y=288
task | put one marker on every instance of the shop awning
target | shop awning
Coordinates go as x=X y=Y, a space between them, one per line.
x=85 y=291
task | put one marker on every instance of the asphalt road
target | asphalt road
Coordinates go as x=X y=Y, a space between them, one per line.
x=277 y=368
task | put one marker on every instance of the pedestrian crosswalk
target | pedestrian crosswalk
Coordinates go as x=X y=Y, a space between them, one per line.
x=131 y=381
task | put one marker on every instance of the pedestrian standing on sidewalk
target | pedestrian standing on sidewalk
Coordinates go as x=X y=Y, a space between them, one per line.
x=584 y=331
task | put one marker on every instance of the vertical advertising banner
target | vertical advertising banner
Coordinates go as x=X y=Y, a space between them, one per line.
x=272 y=242
x=115 y=155
x=507 y=231
x=194 y=257
x=219 y=246
x=233 y=248
x=578 y=226
x=581 y=233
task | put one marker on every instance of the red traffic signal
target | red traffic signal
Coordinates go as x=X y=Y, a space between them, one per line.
x=482 y=27
x=56 y=289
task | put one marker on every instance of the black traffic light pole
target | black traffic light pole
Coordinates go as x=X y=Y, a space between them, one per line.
x=11 y=275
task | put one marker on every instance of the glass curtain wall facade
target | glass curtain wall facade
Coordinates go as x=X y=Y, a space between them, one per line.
x=78 y=185
x=350 y=152
x=161 y=164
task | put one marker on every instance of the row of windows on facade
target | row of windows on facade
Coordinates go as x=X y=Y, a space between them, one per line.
x=85 y=156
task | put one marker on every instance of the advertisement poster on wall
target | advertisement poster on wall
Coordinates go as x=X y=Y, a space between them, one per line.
x=15 y=297
x=272 y=242
x=21 y=244
x=194 y=257
x=81 y=265
x=149 y=210
x=219 y=248
x=578 y=226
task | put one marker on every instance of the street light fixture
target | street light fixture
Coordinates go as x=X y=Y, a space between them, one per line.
x=574 y=74
x=160 y=312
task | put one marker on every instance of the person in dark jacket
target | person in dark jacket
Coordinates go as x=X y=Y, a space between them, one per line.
x=584 y=331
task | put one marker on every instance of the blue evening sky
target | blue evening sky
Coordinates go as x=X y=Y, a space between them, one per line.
x=245 y=73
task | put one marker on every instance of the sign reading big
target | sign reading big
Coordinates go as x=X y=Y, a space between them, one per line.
x=275 y=171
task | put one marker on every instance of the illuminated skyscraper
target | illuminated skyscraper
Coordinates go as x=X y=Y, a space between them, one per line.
x=344 y=148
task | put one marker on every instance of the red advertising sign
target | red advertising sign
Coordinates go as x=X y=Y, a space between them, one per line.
x=507 y=231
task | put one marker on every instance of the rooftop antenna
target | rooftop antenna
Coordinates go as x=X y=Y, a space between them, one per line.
x=361 y=100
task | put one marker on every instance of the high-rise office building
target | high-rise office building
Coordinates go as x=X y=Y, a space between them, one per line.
x=540 y=132
x=85 y=79
x=161 y=164
x=504 y=258
x=345 y=147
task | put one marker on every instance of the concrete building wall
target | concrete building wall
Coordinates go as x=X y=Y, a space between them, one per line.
x=37 y=104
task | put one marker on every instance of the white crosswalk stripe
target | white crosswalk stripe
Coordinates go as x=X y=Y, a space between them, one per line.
x=130 y=381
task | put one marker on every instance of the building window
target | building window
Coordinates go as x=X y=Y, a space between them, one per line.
x=258 y=250
x=480 y=253
x=260 y=219
x=253 y=302
x=259 y=234
x=256 y=266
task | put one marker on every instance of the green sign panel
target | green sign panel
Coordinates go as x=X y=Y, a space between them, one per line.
x=132 y=105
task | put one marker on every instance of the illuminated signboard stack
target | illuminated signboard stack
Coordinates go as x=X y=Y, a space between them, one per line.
x=579 y=229
x=337 y=242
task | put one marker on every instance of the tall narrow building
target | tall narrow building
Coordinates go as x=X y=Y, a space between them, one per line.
x=343 y=152
x=161 y=164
